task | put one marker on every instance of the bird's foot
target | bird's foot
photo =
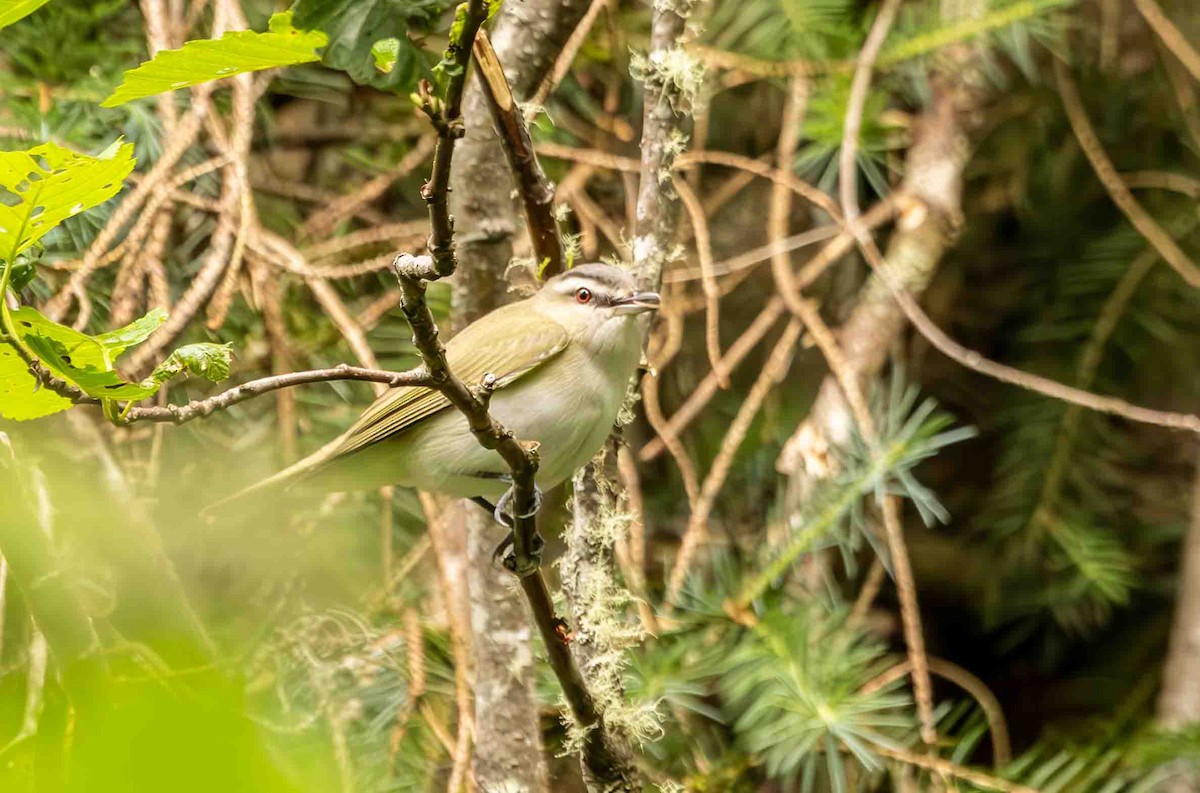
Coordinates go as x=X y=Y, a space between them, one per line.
x=518 y=560
x=506 y=555
x=501 y=511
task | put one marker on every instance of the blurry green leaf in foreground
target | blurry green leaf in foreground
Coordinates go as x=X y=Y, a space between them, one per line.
x=236 y=52
x=83 y=360
x=12 y=10
x=43 y=186
x=207 y=360
x=21 y=396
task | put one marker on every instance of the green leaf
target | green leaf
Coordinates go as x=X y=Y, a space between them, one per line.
x=234 y=53
x=356 y=26
x=22 y=397
x=119 y=340
x=385 y=52
x=77 y=358
x=43 y=186
x=13 y=10
x=207 y=360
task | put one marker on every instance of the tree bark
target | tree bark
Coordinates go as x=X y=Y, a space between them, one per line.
x=589 y=571
x=1179 y=700
x=527 y=38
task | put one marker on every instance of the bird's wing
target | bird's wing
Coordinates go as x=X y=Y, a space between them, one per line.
x=471 y=354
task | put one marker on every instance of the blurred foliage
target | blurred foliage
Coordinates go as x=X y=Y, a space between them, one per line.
x=305 y=646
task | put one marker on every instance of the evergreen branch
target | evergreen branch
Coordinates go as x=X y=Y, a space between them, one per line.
x=1066 y=430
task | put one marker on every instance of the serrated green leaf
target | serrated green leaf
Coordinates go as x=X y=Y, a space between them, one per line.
x=207 y=360
x=13 y=10
x=355 y=26
x=119 y=340
x=237 y=52
x=385 y=52
x=43 y=186
x=77 y=358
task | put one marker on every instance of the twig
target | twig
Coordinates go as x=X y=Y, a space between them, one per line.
x=323 y=220
x=401 y=234
x=1117 y=191
x=955 y=770
x=566 y=56
x=988 y=703
x=697 y=527
x=868 y=592
x=1171 y=36
x=712 y=296
x=631 y=485
x=1027 y=380
x=860 y=85
x=847 y=378
x=759 y=168
x=178 y=414
x=536 y=191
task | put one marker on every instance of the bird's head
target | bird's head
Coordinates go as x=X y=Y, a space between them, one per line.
x=599 y=302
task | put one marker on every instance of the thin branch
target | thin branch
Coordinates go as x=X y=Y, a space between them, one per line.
x=325 y=219
x=860 y=85
x=697 y=528
x=1027 y=380
x=179 y=414
x=1146 y=225
x=712 y=295
x=993 y=712
x=566 y=57
x=955 y=770
x=1172 y=37
x=536 y=191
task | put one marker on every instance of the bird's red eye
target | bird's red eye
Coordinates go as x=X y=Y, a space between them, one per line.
x=583 y=295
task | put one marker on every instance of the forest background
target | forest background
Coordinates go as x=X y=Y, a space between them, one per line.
x=905 y=497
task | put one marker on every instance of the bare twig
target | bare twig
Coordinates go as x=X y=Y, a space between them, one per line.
x=993 y=712
x=955 y=770
x=712 y=296
x=697 y=527
x=322 y=222
x=859 y=86
x=566 y=57
x=1146 y=225
x=178 y=414
x=1172 y=37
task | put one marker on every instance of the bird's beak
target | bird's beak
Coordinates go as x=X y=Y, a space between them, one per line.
x=638 y=303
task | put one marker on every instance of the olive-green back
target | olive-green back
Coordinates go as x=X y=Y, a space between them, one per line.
x=480 y=349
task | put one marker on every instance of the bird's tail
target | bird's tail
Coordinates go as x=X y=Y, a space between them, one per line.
x=277 y=482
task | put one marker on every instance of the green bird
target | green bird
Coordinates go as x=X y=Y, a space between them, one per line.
x=562 y=360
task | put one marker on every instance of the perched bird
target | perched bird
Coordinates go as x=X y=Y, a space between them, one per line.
x=562 y=361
